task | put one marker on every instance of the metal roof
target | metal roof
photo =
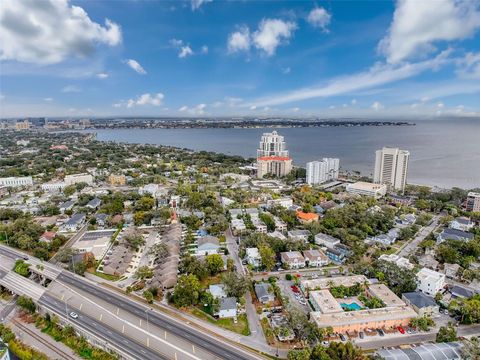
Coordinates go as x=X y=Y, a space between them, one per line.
x=441 y=351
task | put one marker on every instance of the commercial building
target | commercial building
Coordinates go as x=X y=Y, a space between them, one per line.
x=16 y=181
x=117 y=180
x=473 y=202
x=272 y=156
x=322 y=171
x=367 y=189
x=79 y=178
x=391 y=167
x=430 y=282
x=96 y=242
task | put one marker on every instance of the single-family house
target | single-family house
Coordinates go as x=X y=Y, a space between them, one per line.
x=253 y=257
x=430 y=282
x=264 y=293
x=217 y=291
x=451 y=270
x=307 y=218
x=67 y=205
x=207 y=245
x=228 y=308
x=315 y=258
x=74 y=223
x=326 y=240
x=47 y=236
x=101 y=219
x=299 y=235
x=461 y=223
x=454 y=234
x=94 y=203
x=461 y=292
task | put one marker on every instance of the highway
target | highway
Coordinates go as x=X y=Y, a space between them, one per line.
x=205 y=342
x=214 y=346
x=109 y=335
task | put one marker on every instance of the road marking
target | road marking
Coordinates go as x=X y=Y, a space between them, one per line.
x=165 y=335
x=123 y=329
x=193 y=348
x=81 y=305
x=148 y=342
x=63 y=296
x=118 y=310
x=101 y=316
x=175 y=356
x=140 y=322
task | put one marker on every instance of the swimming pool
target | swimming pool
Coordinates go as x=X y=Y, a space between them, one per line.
x=352 y=306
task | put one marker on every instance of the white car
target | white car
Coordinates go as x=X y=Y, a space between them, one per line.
x=73 y=315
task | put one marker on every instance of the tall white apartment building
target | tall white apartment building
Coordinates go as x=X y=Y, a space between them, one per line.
x=322 y=171
x=272 y=144
x=16 y=181
x=391 y=166
x=473 y=202
x=78 y=178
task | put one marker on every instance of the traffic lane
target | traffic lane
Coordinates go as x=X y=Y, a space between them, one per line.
x=137 y=351
x=222 y=350
x=129 y=324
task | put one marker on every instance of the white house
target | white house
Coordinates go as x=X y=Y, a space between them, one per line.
x=300 y=235
x=284 y=202
x=461 y=223
x=228 y=308
x=217 y=291
x=207 y=245
x=238 y=225
x=253 y=257
x=74 y=223
x=293 y=259
x=430 y=282
x=315 y=258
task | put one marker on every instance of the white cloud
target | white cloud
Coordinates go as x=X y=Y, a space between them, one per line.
x=239 y=40
x=286 y=70
x=195 y=4
x=379 y=74
x=253 y=107
x=353 y=102
x=50 y=31
x=117 y=105
x=377 y=106
x=296 y=109
x=48 y=99
x=440 y=105
x=71 y=88
x=196 y=110
x=185 y=51
x=271 y=33
x=135 y=65
x=417 y=25
x=204 y=49
x=102 y=76
x=469 y=66
x=2 y=97
x=319 y=18
x=145 y=99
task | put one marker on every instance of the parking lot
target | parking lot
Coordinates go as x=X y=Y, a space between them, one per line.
x=294 y=298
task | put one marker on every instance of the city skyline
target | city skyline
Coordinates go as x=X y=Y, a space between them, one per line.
x=212 y=58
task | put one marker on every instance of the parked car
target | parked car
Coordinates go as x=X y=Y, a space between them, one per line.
x=401 y=329
x=342 y=337
x=361 y=335
x=381 y=332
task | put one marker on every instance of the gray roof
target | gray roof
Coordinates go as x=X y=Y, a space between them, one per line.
x=262 y=289
x=454 y=234
x=460 y=291
x=67 y=204
x=443 y=351
x=419 y=299
x=75 y=219
x=228 y=303
x=463 y=220
x=94 y=202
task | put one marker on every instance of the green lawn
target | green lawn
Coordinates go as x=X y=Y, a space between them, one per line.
x=107 y=276
x=241 y=327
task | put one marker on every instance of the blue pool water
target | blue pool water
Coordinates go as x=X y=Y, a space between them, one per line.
x=352 y=306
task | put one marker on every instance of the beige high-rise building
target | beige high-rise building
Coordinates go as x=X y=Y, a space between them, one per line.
x=391 y=167
x=272 y=156
x=473 y=202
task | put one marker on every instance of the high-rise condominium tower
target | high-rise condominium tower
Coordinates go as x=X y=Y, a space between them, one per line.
x=322 y=171
x=391 y=166
x=272 y=156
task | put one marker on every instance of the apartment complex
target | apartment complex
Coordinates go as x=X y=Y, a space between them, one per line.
x=78 y=178
x=117 y=180
x=16 y=181
x=272 y=156
x=322 y=171
x=391 y=166
x=367 y=189
x=473 y=202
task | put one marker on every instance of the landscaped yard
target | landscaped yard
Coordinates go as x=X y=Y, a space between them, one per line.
x=241 y=327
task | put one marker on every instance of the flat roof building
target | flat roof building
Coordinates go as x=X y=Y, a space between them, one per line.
x=367 y=189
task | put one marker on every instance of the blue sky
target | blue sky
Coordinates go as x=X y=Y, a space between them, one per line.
x=213 y=58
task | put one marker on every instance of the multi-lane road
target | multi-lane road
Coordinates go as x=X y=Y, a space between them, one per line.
x=202 y=344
